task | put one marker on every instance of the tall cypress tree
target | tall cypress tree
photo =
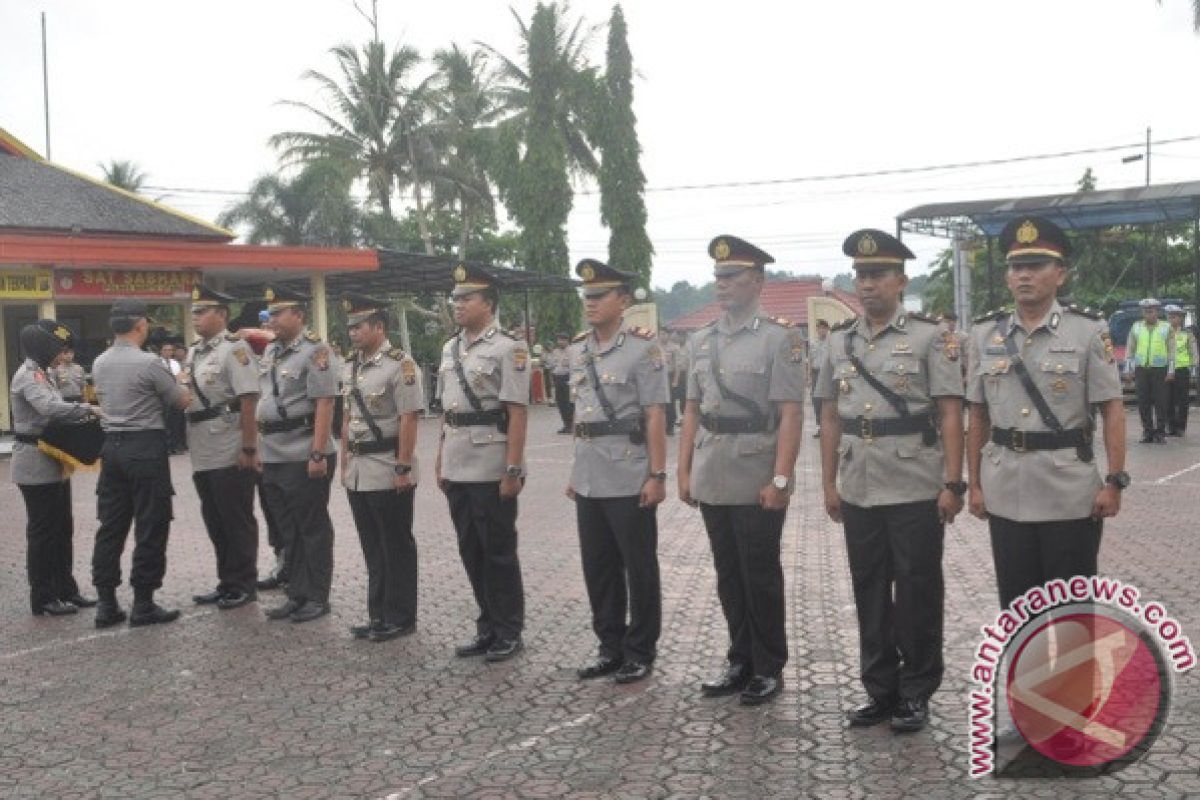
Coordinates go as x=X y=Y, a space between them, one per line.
x=622 y=184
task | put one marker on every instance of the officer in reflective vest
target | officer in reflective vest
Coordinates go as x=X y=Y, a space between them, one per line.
x=1151 y=349
x=1186 y=357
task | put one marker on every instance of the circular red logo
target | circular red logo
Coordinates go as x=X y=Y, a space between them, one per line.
x=1084 y=689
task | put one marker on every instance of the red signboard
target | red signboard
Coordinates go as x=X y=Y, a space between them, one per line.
x=110 y=283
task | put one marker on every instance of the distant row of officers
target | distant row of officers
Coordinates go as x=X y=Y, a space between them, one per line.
x=892 y=449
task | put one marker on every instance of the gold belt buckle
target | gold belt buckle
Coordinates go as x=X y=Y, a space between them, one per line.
x=866 y=429
x=1018 y=440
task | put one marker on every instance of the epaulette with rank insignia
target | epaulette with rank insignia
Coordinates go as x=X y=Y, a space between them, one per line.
x=992 y=315
x=923 y=317
x=396 y=354
x=505 y=333
x=844 y=324
x=229 y=337
x=1084 y=312
x=579 y=337
x=309 y=336
x=782 y=322
x=641 y=333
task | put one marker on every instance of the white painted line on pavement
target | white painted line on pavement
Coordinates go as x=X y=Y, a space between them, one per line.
x=1173 y=475
x=122 y=630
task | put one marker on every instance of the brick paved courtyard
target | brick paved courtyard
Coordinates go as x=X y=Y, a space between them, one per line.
x=226 y=705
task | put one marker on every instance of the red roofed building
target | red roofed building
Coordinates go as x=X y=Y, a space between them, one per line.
x=787 y=299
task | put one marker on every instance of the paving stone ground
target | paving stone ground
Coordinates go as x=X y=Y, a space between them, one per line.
x=226 y=705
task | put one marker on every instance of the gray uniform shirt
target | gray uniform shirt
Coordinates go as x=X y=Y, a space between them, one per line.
x=390 y=383
x=305 y=370
x=35 y=404
x=497 y=367
x=1070 y=358
x=817 y=349
x=224 y=369
x=560 y=361
x=910 y=356
x=762 y=360
x=633 y=374
x=133 y=388
x=69 y=378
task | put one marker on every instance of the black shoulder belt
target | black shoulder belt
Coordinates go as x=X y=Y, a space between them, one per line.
x=465 y=385
x=636 y=436
x=928 y=433
x=756 y=413
x=356 y=393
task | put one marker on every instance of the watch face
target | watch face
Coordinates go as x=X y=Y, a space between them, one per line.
x=780 y=482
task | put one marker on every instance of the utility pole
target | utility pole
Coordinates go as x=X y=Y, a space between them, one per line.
x=45 y=86
x=1147 y=157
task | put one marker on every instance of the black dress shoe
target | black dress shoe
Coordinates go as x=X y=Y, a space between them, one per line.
x=152 y=614
x=208 y=598
x=761 y=689
x=632 y=672
x=387 y=632
x=599 y=668
x=79 y=601
x=476 y=647
x=54 y=608
x=731 y=681
x=1160 y=439
x=284 y=611
x=109 y=614
x=910 y=715
x=364 y=631
x=272 y=582
x=235 y=600
x=310 y=611
x=1147 y=439
x=872 y=713
x=502 y=650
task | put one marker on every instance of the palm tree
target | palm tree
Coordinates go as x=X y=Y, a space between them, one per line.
x=124 y=175
x=313 y=208
x=374 y=124
x=466 y=108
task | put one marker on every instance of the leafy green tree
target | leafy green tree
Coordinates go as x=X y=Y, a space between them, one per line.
x=622 y=183
x=125 y=175
x=312 y=208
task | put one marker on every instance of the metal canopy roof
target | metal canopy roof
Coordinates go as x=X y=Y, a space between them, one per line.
x=1171 y=202
x=417 y=273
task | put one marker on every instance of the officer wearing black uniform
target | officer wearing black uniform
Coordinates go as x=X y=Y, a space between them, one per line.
x=134 y=388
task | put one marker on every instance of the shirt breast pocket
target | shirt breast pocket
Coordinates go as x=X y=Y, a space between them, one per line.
x=1060 y=378
x=747 y=378
x=904 y=376
x=846 y=379
x=996 y=377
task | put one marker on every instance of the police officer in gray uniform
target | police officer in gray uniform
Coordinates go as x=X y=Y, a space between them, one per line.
x=44 y=482
x=223 y=444
x=383 y=401
x=618 y=478
x=891 y=458
x=737 y=456
x=69 y=377
x=134 y=388
x=298 y=386
x=1036 y=374
x=483 y=384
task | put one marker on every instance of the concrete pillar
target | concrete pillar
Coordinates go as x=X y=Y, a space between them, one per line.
x=320 y=314
x=189 y=330
x=46 y=309
x=5 y=414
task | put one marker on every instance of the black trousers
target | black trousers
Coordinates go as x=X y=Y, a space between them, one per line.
x=895 y=554
x=227 y=507
x=176 y=429
x=49 y=553
x=384 y=521
x=274 y=537
x=300 y=506
x=134 y=487
x=1153 y=399
x=1181 y=387
x=816 y=401
x=487 y=542
x=1027 y=554
x=562 y=398
x=618 y=542
x=745 y=545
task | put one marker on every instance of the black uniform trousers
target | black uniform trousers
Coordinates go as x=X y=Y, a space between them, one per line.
x=745 y=542
x=227 y=507
x=49 y=553
x=1027 y=554
x=134 y=487
x=487 y=542
x=618 y=543
x=816 y=401
x=300 y=505
x=274 y=537
x=1181 y=387
x=562 y=398
x=384 y=520
x=895 y=554
x=1153 y=398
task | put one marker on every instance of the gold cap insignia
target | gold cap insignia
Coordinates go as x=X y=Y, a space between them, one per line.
x=1027 y=233
x=347 y=305
x=721 y=251
x=196 y=293
x=460 y=273
x=867 y=245
x=62 y=333
x=587 y=272
x=269 y=295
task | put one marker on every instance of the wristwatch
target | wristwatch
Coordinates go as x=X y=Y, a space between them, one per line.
x=1118 y=479
x=661 y=475
x=402 y=469
x=513 y=471
x=316 y=456
x=959 y=488
x=781 y=482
